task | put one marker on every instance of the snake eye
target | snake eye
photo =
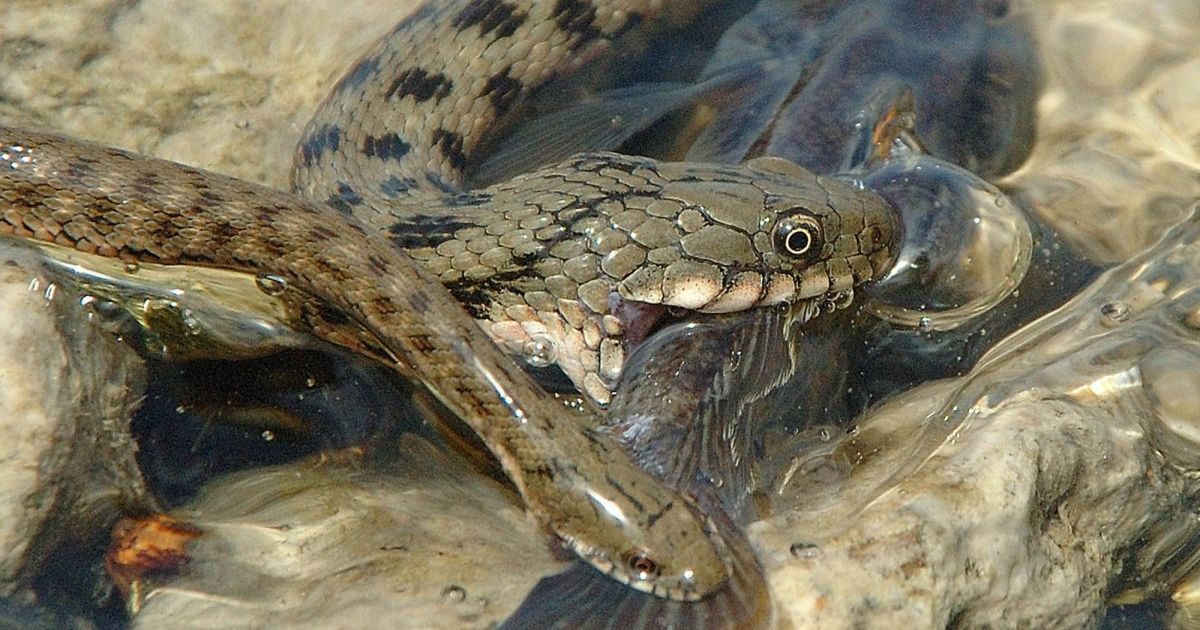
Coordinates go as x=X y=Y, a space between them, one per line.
x=643 y=566
x=798 y=235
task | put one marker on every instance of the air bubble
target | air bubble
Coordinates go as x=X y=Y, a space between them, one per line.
x=454 y=593
x=131 y=266
x=1114 y=313
x=270 y=284
x=804 y=550
x=191 y=323
x=540 y=351
x=964 y=248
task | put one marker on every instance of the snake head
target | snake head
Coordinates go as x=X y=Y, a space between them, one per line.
x=659 y=574
x=766 y=232
x=826 y=235
x=667 y=549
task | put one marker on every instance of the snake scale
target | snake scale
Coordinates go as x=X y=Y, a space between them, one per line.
x=386 y=151
x=569 y=265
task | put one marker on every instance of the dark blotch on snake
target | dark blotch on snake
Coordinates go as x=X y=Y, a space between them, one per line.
x=476 y=294
x=345 y=199
x=146 y=183
x=378 y=264
x=321 y=233
x=211 y=197
x=78 y=169
x=503 y=90
x=451 y=146
x=225 y=231
x=420 y=85
x=425 y=230
x=395 y=186
x=491 y=15
x=327 y=138
x=577 y=17
x=389 y=146
x=384 y=306
x=363 y=70
x=440 y=184
x=469 y=199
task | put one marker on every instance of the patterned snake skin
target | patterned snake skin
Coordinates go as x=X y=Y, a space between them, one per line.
x=570 y=264
x=560 y=253
x=349 y=286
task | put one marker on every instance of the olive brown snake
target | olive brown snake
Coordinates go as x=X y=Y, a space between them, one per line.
x=348 y=284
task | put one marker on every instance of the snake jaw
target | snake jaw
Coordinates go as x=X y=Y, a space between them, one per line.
x=780 y=289
x=746 y=290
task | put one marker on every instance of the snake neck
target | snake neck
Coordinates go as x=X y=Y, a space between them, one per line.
x=540 y=262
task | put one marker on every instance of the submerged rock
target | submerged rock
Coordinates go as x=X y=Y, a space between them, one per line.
x=1058 y=472
x=407 y=536
x=1076 y=434
x=1016 y=494
x=67 y=389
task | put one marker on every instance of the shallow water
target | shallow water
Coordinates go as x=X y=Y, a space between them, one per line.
x=1116 y=162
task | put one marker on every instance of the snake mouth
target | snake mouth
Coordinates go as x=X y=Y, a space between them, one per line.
x=749 y=289
x=739 y=291
x=753 y=290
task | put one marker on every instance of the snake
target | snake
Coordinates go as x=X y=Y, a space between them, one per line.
x=572 y=264
x=368 y=256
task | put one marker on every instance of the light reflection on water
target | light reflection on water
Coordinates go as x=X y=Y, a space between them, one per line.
x=1118 y=154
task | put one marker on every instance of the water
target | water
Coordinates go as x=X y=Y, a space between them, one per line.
x=1115 y=164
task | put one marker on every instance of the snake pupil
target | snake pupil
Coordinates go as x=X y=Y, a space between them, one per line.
x=798 y=235
x=798 y=241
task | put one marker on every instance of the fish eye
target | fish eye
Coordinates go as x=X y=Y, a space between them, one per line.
x=642 y=565
x=798 y=235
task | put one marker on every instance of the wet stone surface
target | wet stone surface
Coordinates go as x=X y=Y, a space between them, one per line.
x=1076 y=434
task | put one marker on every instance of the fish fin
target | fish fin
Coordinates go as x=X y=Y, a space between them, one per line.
x=746 y=109
x=601 y=123
x=745 y=394
x=753 y=380
x=887 y=128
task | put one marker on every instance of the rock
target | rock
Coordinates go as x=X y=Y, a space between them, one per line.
x=408 y=537
x=1060 y=470
x=1015 y=495
x=67 y=389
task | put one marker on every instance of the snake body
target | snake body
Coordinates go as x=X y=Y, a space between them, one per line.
x=388 y=149
x=569 y=264
x=348 y=285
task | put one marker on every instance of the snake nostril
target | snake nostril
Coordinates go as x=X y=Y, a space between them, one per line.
x=873 y=237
